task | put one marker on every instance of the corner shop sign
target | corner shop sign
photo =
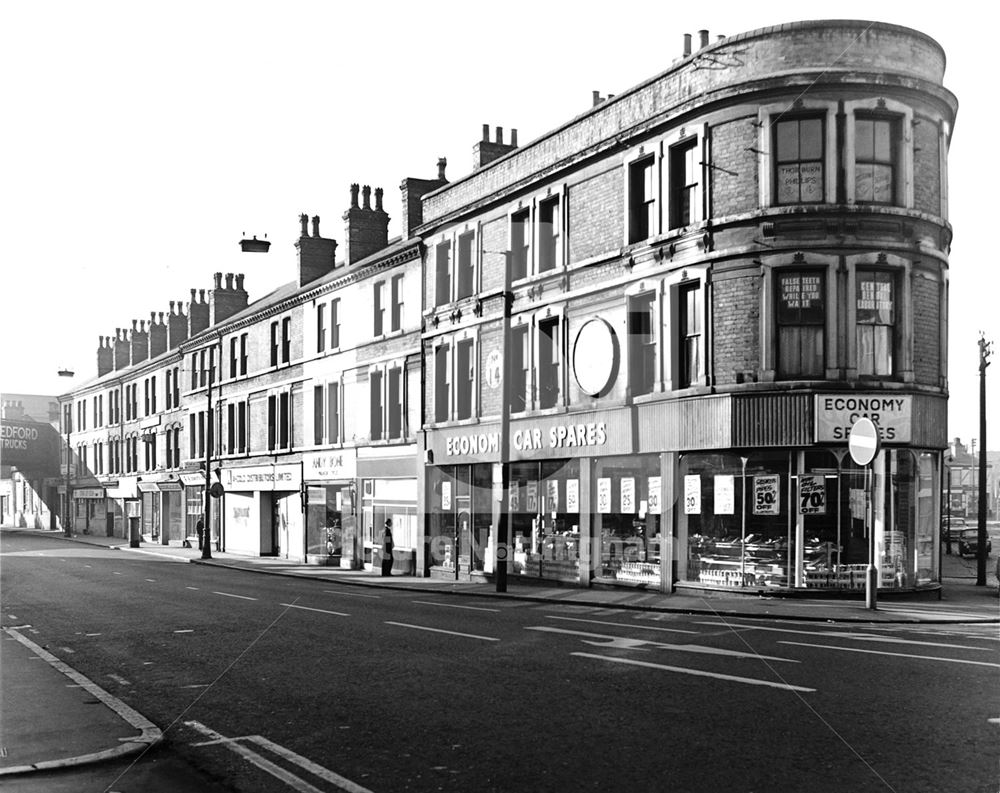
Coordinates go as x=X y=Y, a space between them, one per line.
x=837 y=413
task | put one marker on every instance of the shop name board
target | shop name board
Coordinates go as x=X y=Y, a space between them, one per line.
x=330 y=465
x=263 y=478
x=483 y=443
x=561 y=436
x=836 y=414
x=88 y=492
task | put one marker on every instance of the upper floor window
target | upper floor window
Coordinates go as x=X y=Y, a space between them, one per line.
x=335 y=323
x=279 y=421
x=396 y=318
x=442 y=273
x=641 y=199
x=642 y=343
x=441 y=382
x=876 y=159
x=194 y=370
x=520 y=243
x=549 y=359
x=466 y=266
x=286 y=339
x=465 y=376
x=274 y=343
x=234 y=357
x=379 y=300
x=876 y=322
x=799 y=160
x=375 y=382
x=320 y=327
x=801 y=320
x=689 y=335
x=394 y=403
x=177 y=386
x=152 y=393
x=520 y=361
x=549 y=234
x=169 y=393
x=243 y=353
x=685 y=168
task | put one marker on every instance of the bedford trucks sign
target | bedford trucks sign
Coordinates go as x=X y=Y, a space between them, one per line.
x=837 y=413
x=31 y=446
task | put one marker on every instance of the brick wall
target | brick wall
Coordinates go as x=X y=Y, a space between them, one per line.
x=490 y=399
x=493 y=238
x=734 y=186
x=926 y=331
x=927 y=168
x=596 y=214
x=735 y=328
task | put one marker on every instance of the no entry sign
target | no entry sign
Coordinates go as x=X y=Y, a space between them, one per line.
x=863 y=442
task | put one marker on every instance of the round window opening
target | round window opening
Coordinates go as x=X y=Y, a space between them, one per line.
x=595 y=354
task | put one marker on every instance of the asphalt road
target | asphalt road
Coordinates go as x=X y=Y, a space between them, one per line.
x=266 y=683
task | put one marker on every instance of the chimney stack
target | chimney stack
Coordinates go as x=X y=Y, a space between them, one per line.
x=197 y=313
x=486 y=151
x=367 y=229
x=157 y=336
x=317 y=256
x=105 y=356
x=687 y=44
x=703 y=37
x=121 y=347
x=177 y=325
x=138 y=342
x=413 y=190
x=224 y=302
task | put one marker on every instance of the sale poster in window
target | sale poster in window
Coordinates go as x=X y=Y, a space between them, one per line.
x=604 y=495
x=445 y=496
x=572 y=495
x=767 y=495
x=531 y=500
x=514 y=497
x=812 y=495
x=552 y=495
x=653 y=489
x=725 y=501
x=628 y=496
x=692 y=494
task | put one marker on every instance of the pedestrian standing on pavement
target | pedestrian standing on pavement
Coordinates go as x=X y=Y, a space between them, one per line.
x=200 y=528
x=387 y=548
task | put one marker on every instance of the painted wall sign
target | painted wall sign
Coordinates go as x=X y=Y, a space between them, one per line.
x=494 y=369
x=767 y=495
x=837 y=413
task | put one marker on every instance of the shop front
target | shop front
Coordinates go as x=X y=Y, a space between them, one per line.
x=149 y=498
x=263 y=511
x=192 y=500
x=89 y=510
x=330 y=507
x=388 y=490
x=121 y=495
x=172 y=503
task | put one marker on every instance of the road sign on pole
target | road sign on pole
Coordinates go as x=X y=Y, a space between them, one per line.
x=864 y=444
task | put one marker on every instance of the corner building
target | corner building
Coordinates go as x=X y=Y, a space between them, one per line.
x=689 y=294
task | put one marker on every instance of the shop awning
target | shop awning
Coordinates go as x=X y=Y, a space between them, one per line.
x=194 y=479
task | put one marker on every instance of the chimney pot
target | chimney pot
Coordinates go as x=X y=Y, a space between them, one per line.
x=366 y=197
x=486 y=132
x=229 y=280
x=513 y=138
x=378 y=199
x=171 y=306
x=161 y=317
x=443 y=163
x=354 y=196
x=499 y=135
x=687 y=44
x=152 y=318
x=142 y=326
x=201 y=294
x=719 y=37
x=703 y=38
x=315 y=225
x=218 y=280
x=193 y=293
x=304 y=221
x=239 y=281
x=134 y=323
x=596 y=98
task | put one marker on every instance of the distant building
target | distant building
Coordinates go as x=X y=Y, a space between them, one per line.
x=29 y=460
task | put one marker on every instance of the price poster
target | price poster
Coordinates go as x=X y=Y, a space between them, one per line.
x=767 y=495
x=552 y=496
x=653 y=489
x=812 y=495
x=531 y=501
x=445 y=496
x=604 y=495
x=572 y=495
x=514 y=498
x=692 y=494
x=628 y=496
x=724 y=494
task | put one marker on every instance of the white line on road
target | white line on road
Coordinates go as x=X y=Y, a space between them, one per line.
x=91 y=634
x=859 y=637
x=620 y=625
x=696 y=672
x=192 y=587
x=185 y=630
x=439 y=630
x=67 y=650
x=894 y=655
x=120 y=680
x=229 y=595
x=114 y=572
x=151 y=580
x=993 y=721
x=454 y=606
x=351 y=594
x=290 y=779
x=321 y=611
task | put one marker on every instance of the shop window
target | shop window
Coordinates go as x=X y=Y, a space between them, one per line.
x=689 y=325
x=642 y=344
x=549 y=236
x=799 y=160
x=464 y=378
x=627 y=519
x=378 y=297
x=801 y=319
x=442 y=273
x=641 y=200
x=441 y=383
x=519 y=361
x=520 y=244
x=544 y=511
x=876 y=322
x=683 y=188
x=375 y=382
x=396 y=315
x=876 y=159
x=320 y=327
x=549 y=359
x=466 y=266
x=395 y=403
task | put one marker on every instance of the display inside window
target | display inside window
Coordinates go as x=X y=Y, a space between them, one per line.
x=627 y=520
x=544 y=509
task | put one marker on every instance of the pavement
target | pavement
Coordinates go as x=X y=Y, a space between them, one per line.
x=111 y=732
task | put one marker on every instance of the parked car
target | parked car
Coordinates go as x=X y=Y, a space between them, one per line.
x=968 y=542
x=957 y=525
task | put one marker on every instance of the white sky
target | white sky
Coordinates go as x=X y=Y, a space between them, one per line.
x=141 y=140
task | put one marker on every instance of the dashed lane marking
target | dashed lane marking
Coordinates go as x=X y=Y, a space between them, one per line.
x=185 y=630
x=192 y=587
x=858 y=637
x=120 y=680
x=894 y=655
x=151 y=580
x=321 y=611
x=351 y=594
x=91 y=634
x=696 y=672
x=440 y=630
x=68 y=650
x=231 y=595
x=454 y=606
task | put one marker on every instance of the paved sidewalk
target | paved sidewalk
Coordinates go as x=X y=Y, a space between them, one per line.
x=960 y=599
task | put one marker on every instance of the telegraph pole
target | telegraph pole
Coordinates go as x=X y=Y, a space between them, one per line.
x=984 y=354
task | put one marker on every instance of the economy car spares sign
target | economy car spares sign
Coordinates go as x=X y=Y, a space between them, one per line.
x=837 y=413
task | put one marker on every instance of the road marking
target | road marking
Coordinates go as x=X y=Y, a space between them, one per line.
x=185 y=630
x=895 y=655
x=114 y=572
x=321 y=611
x=290 y=779
x=696 y=672
x=993 y=721
x=454 y=606
x=859 y=637
x=68 y=650
x=621 y=625
x=11 y=617
x=91 y=634
x=351 y=594
x=627 y=643
x=229 y=595
x=151 y=580
x=120 y=680
x=192 y=587
x=197 y=685
x=439 y=630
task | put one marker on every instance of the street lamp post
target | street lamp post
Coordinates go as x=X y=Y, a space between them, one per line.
x=206 y=543
x=68 y=427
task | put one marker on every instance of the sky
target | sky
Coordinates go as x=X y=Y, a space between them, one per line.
x=142 y=141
